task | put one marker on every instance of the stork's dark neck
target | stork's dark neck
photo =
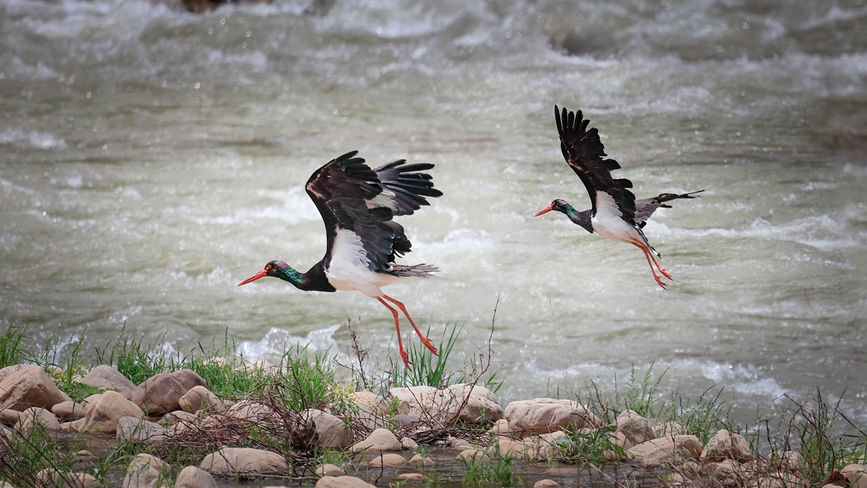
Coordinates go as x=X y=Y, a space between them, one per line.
x=313 y=280
x=580 y=218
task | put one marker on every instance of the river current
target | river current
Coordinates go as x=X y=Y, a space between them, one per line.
x=151 y=159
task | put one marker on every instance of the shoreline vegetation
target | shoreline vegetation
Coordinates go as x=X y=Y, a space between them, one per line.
x=135 y=417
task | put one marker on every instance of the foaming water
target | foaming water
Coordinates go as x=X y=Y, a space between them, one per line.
x=151 y=159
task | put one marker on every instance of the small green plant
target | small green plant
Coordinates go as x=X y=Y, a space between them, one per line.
x=702 y=417
x=222 y=370
x=641 y=396
x=134 y=360
x=472 y=465
x=336 y=457
x=11 y=352
x=486 y=468
x=427 y=369
x=500 y=471
x=813 y=430
x=33 y=450
x=585 y=448
x=430 y=370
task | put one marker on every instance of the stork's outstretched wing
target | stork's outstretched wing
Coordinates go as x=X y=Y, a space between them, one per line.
x=585 y=154
x=645 y=207
x=351 y=196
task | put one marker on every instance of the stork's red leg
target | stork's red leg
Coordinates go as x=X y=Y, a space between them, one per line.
x=648 y=255
x=424 y=340
x=660 y=268
x=403 y=354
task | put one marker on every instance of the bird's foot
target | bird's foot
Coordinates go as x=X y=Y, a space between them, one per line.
x=430 y=347
x=660 y=282
x=666 y=273
x=406 y=360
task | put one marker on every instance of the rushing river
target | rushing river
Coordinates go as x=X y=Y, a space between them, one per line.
x=151 y=159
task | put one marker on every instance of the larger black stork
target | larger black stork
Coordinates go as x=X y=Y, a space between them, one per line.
x=357 y=205
x=616 y=213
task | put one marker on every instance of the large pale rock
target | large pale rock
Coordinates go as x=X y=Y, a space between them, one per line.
x=178 y=422
x=199 y=398
x=369 y=401
x=244 y=462
x=371 y=410
x=329 y=470
x=856 y=475
x=417 y=477
x=193 y=477
x=140 y=430
x=510 y=448
x=729 y=473
x=544 y=415
x=473 y=454
x=546 y=484
x=725 y=445
x=378 y=440
x=249 y=411
x=619 y=439
x=667 y=428
x=635 y=427
x=417 y=460
x=501 y=427
x=38 y=415
x=691 y=443
x=342 y=482
x=9 y=416
x=145 y=471
x=160 y=394
x=665 y=451
x=408 y=444
x=390 y=460
x=459 y=444
x=69 y=410
x=468 y=403
x=106 y=377
x=331 y=432
x=103 y=414
x=48 y=478
x=26 y=385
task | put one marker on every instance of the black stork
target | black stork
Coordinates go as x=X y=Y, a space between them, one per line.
x=357 y=205
x=616 y=213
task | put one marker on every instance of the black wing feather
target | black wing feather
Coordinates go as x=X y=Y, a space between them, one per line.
x=349 y=195
x=585 y=154
x=406 y=188
x=645 y=207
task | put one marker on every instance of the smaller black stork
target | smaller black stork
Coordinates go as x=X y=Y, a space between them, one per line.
x=615 y=213
x=357 y=205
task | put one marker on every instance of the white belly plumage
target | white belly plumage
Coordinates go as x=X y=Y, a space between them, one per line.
x=349 y=268
x=608 y=221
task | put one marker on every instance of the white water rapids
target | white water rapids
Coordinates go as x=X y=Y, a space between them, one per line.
x=151 y=159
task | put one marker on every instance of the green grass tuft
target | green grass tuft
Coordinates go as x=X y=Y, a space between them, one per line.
x=11 y=352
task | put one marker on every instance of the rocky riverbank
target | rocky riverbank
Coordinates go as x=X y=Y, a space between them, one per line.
x=362 y=438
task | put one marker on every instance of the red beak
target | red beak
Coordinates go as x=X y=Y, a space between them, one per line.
x=260 y=274
x=550 y=207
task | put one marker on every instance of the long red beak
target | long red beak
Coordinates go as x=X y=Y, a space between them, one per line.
x=550 y=207
x=260 y=274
